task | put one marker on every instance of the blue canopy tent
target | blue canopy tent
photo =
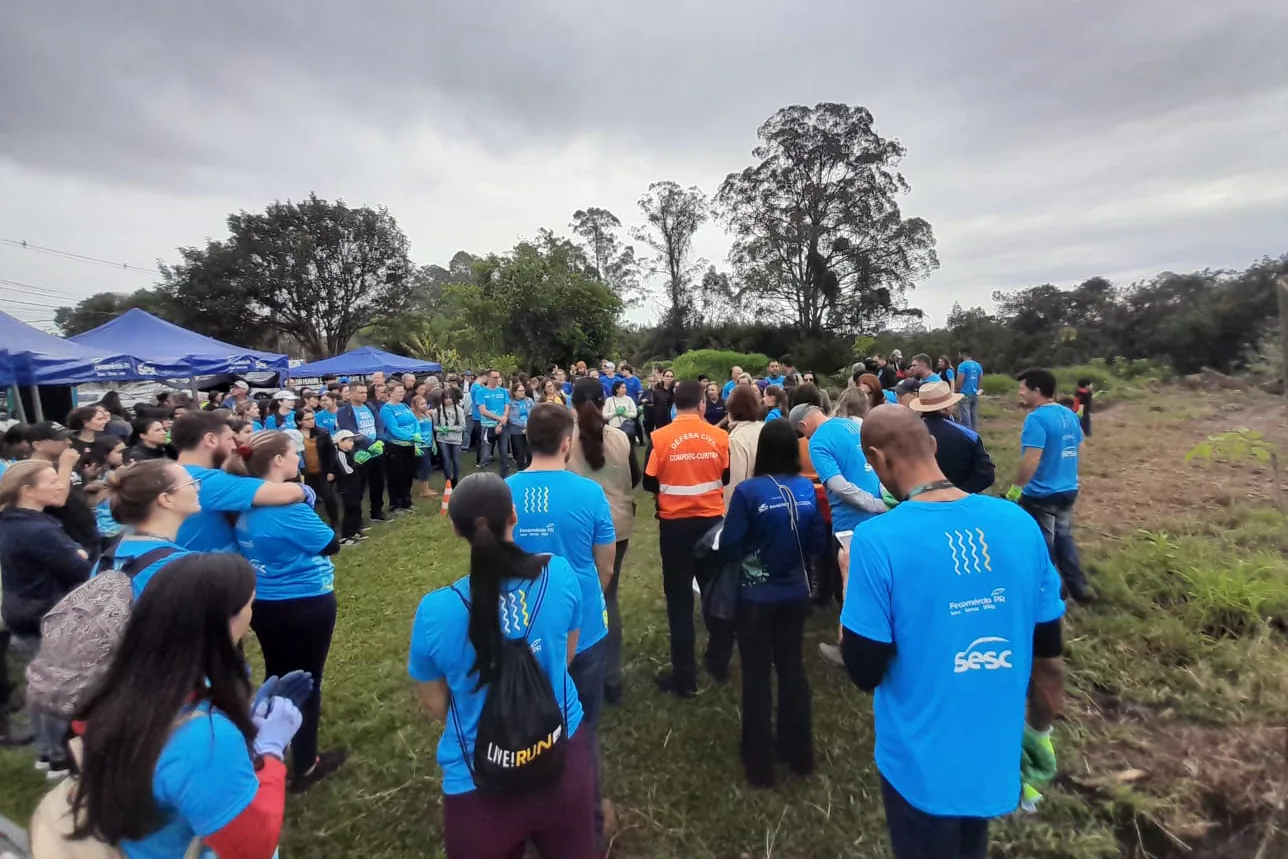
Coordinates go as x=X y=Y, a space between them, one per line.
x=163 y=350
x=29 y=358
x=364 y=361
x=32 y=357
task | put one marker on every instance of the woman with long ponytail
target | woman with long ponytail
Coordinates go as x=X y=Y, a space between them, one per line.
x=290 y=548
x=605 y=455
x=457 y=642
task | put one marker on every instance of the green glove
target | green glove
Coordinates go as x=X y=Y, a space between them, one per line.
x=890 y=501
x=1014 y=493
x=1037 y=761
x=416 y=439
x=362 y=457
x=418 y=450
x=621 y=411
x=440 y=430
x=1029 y=798
x=376 y=449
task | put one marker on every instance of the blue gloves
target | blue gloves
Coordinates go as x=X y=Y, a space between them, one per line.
x=296 y=687
x=276 y=720
x=310 y=494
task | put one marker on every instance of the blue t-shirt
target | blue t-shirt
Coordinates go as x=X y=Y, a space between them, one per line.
x=834 y=449
x=634 y=388
x=960 y=609
x=399 y=421
x=221 y=493
x=758 y=532
x=272 y=422
x=780 y=381
x=773 y=414
x=425 y=426
x=971 y=373
x=132 y=547
x=494 y=400
x=607 y=382
x=107 y=526
x=565 y=514
x=475 y=388
x=282 y=544
x=949 y=375
x=519 y=411
x=728 y=387
x=204 y=779
x=890 y=396
x=365 y=419
x=1055 y=431
x=441 y=650
x=325 y=420
x=933 y=377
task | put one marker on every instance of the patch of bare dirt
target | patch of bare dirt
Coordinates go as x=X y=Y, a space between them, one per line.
x=1184 y=789
x=1134 y=474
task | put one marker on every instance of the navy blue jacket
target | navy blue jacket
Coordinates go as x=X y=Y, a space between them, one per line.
x=344 y=419
x=960 y=453
x=39 y=565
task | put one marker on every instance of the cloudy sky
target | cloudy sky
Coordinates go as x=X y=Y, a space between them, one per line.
x=1047 y=142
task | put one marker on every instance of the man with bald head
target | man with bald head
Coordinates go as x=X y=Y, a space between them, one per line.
x=962 y=588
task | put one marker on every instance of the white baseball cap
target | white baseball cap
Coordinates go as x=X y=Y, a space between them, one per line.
x=284 y=395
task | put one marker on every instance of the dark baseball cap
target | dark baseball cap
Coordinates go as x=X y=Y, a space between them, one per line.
x=47 y=431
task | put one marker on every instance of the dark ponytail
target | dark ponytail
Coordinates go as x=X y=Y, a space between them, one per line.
x=480 y=511
x=590 y=431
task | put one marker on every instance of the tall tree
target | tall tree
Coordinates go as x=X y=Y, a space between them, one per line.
x=672 y=216
x=613 y=261
x=103 y=307
x=818 y=235
x=320 y=270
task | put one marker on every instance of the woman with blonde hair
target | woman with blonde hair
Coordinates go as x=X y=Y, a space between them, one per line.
x=39 y=565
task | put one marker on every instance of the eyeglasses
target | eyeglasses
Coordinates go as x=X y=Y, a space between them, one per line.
x=195 y=483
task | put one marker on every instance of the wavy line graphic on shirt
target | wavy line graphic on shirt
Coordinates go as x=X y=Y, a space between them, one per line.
x=509 y=614
x=974 y=550
x=957 y=564
x=523 y=606
x=968 y=557
x=983 y=544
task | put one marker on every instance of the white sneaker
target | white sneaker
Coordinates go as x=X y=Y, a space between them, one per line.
x=831 y=653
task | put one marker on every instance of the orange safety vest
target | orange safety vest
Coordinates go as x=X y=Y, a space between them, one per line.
x=689 y=460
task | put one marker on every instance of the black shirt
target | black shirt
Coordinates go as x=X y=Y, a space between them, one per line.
x=960 y=453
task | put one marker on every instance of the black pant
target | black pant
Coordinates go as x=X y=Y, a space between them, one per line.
x=6 y=685
x=825 y=583
x=914 y=834
x=326 y=495
x=373 y=476
x=295 y=635
x=520 y=451
x=400 y=472
x=676 y=539
x=351 y=498
x=771 y=636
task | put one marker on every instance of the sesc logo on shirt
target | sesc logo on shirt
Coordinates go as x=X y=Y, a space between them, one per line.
x=983 y=654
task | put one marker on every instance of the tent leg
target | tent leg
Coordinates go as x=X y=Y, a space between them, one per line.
x=36 y=406
x=19 y=411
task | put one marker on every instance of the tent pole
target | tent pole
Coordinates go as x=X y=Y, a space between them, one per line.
x=37 y=407
x=20 y=410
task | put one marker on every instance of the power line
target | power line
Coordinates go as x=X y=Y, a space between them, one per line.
x=31 y=304
x=42 y=291
x=25 y=245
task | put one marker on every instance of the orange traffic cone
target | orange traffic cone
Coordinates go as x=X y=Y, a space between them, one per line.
x=447 y=496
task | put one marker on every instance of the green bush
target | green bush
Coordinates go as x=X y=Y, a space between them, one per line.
x=999 y=385
x=715 y=363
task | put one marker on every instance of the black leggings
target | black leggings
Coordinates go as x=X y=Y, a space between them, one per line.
x=295 y=635
x=400 y=471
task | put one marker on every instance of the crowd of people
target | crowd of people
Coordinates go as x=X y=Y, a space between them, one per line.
x=774 y=499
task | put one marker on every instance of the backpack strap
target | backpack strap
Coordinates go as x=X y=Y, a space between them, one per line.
x=134 y=566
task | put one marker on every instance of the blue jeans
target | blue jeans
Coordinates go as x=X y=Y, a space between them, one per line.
x=587 y=671
x=1054 y=514
x=451 y=454
x=50 y=731
x=916 y=834
x=968 y=410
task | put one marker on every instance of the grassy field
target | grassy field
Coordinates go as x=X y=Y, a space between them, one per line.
x=1173 y=744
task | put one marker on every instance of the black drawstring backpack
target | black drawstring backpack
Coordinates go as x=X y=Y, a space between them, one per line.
x=522 y=738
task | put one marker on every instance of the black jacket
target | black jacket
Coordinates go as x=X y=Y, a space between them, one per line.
x=77 y=518
x=326 y=451
x=960 y=453
x=348 y=479
x=39 y=565
x=657 y=409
